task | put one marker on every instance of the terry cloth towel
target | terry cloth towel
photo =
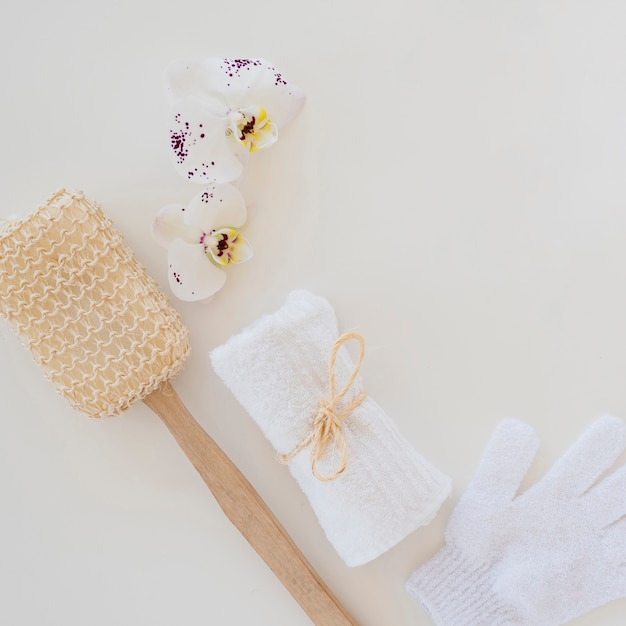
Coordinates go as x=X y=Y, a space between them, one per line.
x=278 y=369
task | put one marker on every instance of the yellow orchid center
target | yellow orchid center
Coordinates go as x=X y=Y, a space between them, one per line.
x=251 y=128
x=226 y=246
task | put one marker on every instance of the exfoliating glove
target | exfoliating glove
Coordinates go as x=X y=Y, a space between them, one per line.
x=293 y=374
x=540 y=558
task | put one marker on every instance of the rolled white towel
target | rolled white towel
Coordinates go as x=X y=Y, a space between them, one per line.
x=278 y=369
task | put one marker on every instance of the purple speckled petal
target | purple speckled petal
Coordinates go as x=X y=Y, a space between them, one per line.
x=192 y=276
x=200 y=149
x=246 y=82
x=216 y=206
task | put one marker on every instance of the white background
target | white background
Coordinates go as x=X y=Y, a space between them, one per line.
x=454 y=186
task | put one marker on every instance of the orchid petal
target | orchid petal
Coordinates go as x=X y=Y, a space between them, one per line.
x=169 y=225
x=201 y=150
x=181 y=79
x=216 y=206
x=191 y=274
x=227 y=246
x=245 y=82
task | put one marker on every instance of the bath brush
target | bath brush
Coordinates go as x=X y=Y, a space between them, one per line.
x=106 y=336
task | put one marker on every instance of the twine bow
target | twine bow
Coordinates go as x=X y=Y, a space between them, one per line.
x=327 y=422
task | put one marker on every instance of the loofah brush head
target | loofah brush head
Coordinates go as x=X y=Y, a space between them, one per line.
x=76 y=296
x=104 y=333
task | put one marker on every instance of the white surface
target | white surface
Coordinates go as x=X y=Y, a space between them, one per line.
x=454 y=186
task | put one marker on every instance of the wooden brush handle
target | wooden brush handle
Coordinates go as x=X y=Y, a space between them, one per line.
x=247 y=511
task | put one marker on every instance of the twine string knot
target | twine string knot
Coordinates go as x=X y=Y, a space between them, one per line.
x=326 y=427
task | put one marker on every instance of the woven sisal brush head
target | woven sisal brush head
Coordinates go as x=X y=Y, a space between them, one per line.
x=104 y=333
x=78 y=299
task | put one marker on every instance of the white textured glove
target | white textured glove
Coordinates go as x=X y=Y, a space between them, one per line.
x=540 y=558
x=278 y=369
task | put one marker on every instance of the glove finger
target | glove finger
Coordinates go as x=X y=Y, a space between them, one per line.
x=591 y=455
x=607 y=500
x=614 y=544
x=504 y=464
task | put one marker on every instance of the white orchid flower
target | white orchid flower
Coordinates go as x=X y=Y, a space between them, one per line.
x=201 y=238
x=224 y=109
